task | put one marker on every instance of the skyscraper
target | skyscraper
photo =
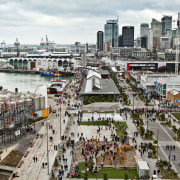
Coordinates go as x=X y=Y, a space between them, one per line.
x=156 y=28
x=128 y=36
x=166 y=23
x=100 y=43
x=144 y=29
x=120 y=41
x=111 y=31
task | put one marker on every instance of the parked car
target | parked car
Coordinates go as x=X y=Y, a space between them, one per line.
x=54 y=111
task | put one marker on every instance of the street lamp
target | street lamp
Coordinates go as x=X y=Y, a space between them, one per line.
x=133 y=100
x=157 y=141
x=169 y=165
x=60 y=119
x=147 y=119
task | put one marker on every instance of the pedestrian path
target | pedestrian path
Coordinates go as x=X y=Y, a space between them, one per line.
x=42 y=153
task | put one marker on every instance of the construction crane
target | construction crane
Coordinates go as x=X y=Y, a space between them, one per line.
x=177 y=45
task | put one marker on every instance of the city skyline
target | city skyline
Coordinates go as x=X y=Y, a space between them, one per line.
x=68 y=21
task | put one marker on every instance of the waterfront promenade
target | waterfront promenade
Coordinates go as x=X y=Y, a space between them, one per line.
x=31 y=167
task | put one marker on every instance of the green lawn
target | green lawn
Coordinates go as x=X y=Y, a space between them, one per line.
x=176 y=115
x=120 y=132
x=94 y=123
x=111 y=173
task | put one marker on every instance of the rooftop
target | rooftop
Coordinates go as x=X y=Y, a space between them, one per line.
x=105 y=86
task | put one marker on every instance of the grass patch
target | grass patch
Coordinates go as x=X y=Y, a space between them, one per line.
x=4 y=175
x=111 y=173
x=120 y=131
x=167 y=175
x=94 y=123
x=176 y=115
x=12 y=159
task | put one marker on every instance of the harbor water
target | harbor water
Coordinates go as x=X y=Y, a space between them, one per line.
x=25 y=82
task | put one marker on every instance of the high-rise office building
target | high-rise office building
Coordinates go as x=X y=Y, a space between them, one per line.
x=144 y=29
x=166 y=23
x=144 y=42
x=156 y=28
x=111 y=31
x=128 y=36
x=120 y=41
x=100 y=42
x=150 y=40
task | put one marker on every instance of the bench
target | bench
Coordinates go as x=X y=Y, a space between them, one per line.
x=32 y=144
x=26 y=154
x=20 y=163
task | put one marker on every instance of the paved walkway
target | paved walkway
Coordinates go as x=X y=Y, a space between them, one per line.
x=31 y=169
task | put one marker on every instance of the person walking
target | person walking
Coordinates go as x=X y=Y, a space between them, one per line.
x=174 y=157
x=34 y=158
x=43 y=165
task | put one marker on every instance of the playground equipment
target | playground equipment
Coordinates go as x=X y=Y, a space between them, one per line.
x=121 y=154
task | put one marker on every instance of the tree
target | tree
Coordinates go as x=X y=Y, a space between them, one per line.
x=157 y=114
x=142 y=130
x=126 y=176
x=178 y=133
x=86 y=100
x=52 y=175
x=105 y=177
x=86 y=176
x=162 y=69
x=162 y=116
x=56 y=162
x=109 y=98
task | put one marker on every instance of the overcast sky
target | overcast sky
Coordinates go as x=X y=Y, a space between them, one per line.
x=67 y=21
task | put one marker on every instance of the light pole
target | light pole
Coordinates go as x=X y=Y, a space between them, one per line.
x=169 y=165
x=60 y=120
x=147 y=119
x=157 y=141
x=133 y=101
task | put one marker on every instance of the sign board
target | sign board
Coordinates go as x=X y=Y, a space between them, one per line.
x=176 y=100
x=17 y=132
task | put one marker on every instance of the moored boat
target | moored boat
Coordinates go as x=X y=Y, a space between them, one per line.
x=50 y=74
x=56 y=86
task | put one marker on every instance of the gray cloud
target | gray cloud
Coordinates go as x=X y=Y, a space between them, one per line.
x=75 y=20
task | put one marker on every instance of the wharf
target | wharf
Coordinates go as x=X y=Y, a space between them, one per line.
x=19 y=71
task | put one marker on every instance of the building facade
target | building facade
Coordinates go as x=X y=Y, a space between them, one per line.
x=156 y=28
x=144 y=29
x=111 y=31
x=128 y=36
x=166 y=23
x=100 y=42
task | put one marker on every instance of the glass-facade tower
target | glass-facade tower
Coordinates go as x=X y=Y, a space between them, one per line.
x=111 y=31
x=128 y=36
x=166 y=23
x=100 y=43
